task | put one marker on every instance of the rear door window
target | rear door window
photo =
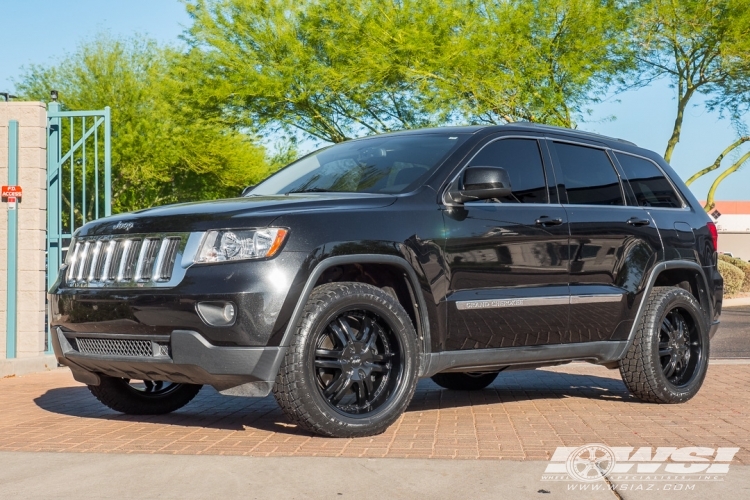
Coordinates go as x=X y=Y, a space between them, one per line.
x=650 y=186
x=589 y=176
x=522 y=160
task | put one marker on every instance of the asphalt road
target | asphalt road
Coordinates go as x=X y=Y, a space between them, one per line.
x=733 y=338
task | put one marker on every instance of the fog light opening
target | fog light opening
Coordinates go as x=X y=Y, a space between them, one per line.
x=217 y=313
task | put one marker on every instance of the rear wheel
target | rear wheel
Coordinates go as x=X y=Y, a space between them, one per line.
x=464 y=381
x=668 y=359
x=351 y=368
x=143 y=397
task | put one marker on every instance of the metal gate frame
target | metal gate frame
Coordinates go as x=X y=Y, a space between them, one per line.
x=56 y=232
x=74 y=160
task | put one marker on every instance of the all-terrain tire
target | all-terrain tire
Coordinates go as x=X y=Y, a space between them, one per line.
x=119 y=395
x=298 y=387
x=642 y=368
x=464 y=381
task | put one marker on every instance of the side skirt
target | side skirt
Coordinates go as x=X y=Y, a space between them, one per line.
x=487 y=359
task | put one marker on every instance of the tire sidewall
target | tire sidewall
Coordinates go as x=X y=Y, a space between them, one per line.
x=377 y=303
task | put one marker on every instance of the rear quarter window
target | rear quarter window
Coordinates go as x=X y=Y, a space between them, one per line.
x=649 y=184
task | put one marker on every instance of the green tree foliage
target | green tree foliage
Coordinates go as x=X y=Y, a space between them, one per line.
x=702 y=46
x=160 y=154
x=337 y=69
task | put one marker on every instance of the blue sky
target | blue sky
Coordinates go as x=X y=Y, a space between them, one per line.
x=40 y=31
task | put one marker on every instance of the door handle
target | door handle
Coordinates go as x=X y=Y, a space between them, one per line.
x=544 y=220
x=635 y=221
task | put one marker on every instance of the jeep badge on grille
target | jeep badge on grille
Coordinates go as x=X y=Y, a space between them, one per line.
x=125 y=226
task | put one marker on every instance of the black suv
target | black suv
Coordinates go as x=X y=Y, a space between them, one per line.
x=451 y=253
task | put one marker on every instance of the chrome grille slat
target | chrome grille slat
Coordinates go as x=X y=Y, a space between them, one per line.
x=142 y=260
x=107 y=261
x=146 y=259
x=130 y=256
x=95 y=258
x=167 y=257
x=83 y=258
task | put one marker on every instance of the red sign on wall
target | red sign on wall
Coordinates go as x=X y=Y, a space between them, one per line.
x=11 y=192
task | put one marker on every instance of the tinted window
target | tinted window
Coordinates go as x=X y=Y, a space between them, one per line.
x=523 y=162
x=385 y=164
x=590 y=178
x=650 y=186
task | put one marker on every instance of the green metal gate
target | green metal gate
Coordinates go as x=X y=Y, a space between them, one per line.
x=79 y=166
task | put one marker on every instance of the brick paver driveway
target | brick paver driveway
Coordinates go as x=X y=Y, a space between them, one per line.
x=523 y=415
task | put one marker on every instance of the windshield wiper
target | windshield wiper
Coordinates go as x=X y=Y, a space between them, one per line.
x=310 y=190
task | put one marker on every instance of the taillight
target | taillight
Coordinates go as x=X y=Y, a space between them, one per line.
x=714 y=234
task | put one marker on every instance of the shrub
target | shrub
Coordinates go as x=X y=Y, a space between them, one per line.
x=733 y=277
x=743 y=266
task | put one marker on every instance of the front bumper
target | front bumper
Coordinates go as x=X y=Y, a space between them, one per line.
x=187 y=358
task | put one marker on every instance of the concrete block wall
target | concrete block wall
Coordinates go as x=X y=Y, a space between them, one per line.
x=32 y=225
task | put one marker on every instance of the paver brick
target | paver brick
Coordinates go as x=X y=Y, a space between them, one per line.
x=521 y=416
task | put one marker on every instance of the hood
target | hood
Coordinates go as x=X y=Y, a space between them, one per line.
x=252 y=211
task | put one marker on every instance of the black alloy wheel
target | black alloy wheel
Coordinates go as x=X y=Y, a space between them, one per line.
x=680 y=348
x=357 y=362
x=152 y=388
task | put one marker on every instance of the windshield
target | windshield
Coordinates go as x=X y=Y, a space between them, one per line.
x=386 y=164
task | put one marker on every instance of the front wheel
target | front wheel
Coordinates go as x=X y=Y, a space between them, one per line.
x=143 y=397
x=351 y=368
x=668 y=359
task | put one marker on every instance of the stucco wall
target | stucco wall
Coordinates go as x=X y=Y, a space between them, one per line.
x=32 y=222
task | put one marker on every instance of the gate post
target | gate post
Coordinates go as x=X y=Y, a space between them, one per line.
x=54 y=252
x=11 y=298
x=107 y=163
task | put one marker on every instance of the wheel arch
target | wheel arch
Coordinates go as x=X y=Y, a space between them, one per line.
x=678 y=273
x=407 y=285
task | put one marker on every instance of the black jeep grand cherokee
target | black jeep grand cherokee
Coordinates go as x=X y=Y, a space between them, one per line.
x=451 y=253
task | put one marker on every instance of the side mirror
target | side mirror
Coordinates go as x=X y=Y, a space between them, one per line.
x=482 y=183
x=247 y=190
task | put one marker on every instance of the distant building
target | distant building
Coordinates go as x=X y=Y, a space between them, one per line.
x=733 y=222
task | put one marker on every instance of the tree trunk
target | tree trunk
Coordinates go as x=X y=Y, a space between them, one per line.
x=711 y=192
x=681 y=105
x=717 y=163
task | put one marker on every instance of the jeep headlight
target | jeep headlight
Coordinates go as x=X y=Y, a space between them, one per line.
x=240 y=244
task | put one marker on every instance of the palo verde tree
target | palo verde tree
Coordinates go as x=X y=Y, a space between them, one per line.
x=334 y=69
x=159 y=154
x=702 y=46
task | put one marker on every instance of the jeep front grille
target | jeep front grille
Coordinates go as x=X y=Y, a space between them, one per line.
x=141 y=260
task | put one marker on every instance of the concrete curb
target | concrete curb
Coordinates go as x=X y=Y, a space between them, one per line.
x=738 y=302
x=23 y=366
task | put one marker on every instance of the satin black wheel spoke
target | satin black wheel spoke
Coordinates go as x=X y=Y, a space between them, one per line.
x=361 y=394
x=376 y=367
x=666 y=327
x=347 y=329
x=369 y=386
x=158 y=385
x=328 y=363
x=338 y=388
x=328 y=353
x=670 y=367
x=339 y=333
x=149 y=385
x=665 y=352
x=368 y=331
